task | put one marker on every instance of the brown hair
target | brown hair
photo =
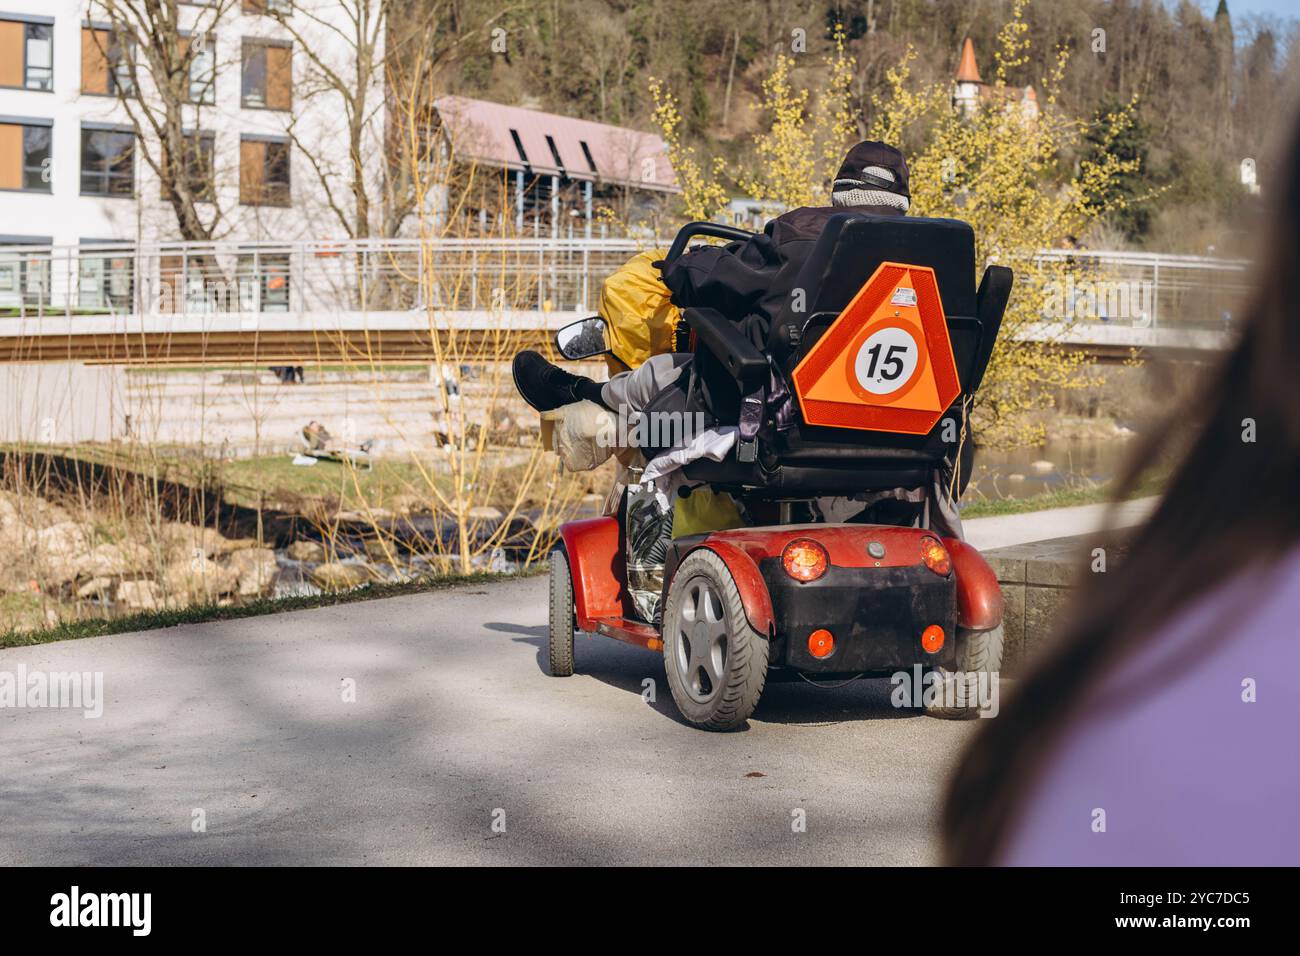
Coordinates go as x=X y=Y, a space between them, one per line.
x=1230 y=504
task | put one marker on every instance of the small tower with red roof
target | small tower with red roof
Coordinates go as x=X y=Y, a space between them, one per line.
x=969 y=91
x=967 y=86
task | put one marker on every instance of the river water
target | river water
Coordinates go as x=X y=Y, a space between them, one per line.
x=1053 y=466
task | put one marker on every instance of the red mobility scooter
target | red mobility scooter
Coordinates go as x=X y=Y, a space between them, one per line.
x=856 y=412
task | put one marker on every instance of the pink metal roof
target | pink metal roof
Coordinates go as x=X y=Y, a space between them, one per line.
x=482 y=131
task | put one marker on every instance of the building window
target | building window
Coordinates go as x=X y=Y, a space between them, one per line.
x=105 y=278
x=36 y=158
x=24 y=276
x=202 y=51
x=191 y=284
x=519 y=146
x=40 y=57
x=263 y=171
x=264 y=282
x=555 y=152
x=25 y=155
x=198 y=167
x=267 y=75
x=107 y=161
x=200 y=164
x=105 y=62
x=273 y=8
x=27 y=54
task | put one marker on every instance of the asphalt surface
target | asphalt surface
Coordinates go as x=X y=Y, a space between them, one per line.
x=456 y=749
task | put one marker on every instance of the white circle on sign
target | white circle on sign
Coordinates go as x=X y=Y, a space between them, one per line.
x=886 y=360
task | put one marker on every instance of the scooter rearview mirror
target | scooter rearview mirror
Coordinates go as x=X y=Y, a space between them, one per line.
x=583 y=339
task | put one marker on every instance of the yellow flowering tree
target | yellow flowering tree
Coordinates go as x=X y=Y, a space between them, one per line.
x=796 y=157
x=703 y=195
x=1004 y=165
x=793 y=159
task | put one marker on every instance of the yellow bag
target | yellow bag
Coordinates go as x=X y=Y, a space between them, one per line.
x=635 y=304
x=704 y=510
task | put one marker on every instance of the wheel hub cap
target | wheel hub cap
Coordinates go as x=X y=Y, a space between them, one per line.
x=702 y=646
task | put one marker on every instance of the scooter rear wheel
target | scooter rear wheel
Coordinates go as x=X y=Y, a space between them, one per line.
x=560 y=646
x=716 y=663
x=979 y=661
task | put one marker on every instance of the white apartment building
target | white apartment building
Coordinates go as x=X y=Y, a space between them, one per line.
x=270 y=133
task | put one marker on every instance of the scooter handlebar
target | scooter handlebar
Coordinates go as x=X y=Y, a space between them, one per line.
x=702 y=228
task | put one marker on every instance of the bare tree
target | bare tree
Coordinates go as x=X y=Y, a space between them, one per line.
x=162 y=75
x=360 y=56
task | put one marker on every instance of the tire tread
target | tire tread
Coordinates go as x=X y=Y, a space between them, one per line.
x=560 y=647
x=977 y=652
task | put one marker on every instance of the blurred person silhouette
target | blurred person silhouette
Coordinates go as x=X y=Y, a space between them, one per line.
x=1169 y=701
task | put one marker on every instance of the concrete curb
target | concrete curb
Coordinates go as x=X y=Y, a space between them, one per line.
x=1037 y=579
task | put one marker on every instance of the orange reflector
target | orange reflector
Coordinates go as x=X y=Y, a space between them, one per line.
x=935 y=556
x=932 y=639
x=821 y=642
x=804 y=559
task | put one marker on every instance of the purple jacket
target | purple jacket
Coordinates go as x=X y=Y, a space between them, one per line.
x=1186 y=771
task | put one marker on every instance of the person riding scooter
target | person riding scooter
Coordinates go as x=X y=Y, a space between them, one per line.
x=747 y=281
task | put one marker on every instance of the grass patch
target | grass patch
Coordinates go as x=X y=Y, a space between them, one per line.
x=197 y=614
x=269 y=480
x=1061 y=498
x=250 y=481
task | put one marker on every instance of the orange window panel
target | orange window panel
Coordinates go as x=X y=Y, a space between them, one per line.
x=94 y=60
x=252 y=171
x=12 y=36
x=11 y=156
x=182 y=59
x=279 y=77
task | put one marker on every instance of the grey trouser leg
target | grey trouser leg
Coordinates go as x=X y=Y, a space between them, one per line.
x=944 y=516
x=636 y=388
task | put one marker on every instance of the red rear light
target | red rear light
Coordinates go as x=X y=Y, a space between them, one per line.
x=932 y=639
x=935 y=556
x=804 y=559
x=820 y=643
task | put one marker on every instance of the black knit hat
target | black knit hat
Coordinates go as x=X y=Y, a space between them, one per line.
x=870 y=167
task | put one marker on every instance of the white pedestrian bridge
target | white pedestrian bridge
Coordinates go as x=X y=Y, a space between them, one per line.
x=458 y=300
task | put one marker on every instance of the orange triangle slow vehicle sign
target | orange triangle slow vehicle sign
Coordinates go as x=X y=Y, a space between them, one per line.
x=886 y=363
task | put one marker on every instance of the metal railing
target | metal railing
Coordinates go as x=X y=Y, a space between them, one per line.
x=303 y=277
x=1153 y=290
x=475 y=275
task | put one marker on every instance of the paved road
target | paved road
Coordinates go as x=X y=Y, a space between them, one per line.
x=1004 y=530
x=453 y=723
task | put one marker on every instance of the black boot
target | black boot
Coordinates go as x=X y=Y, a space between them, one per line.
x=545 y=386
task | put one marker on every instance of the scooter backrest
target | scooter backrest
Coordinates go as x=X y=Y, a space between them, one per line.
x=849 y=252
